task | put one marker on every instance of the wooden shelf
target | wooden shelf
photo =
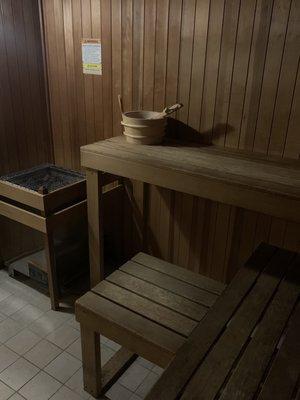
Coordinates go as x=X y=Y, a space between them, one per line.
x=253 y=182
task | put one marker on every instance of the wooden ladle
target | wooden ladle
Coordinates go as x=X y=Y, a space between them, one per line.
x=167 y=111
x=120 y=104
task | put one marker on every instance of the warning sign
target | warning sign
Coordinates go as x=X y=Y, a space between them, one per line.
x=91 y=56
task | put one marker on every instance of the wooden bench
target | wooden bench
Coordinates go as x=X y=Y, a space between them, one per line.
x=247 y=346
x=150 y=307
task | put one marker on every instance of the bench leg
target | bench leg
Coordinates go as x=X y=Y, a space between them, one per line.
x=51 y=269
x=91 y=361
x=95 y=224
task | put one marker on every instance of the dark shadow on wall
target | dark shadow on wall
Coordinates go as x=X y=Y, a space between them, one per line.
x=180 y=131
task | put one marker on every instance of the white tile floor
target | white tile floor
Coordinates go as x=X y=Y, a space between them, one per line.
x=40 y=351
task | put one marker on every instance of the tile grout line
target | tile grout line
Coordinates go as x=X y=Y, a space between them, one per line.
x=67 y=322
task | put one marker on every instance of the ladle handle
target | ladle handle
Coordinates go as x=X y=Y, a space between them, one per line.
x=120 y=104
x=173 y=108
x=168 y=110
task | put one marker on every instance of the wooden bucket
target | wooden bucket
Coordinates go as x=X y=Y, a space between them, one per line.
x=139 y=128
x=145 y=127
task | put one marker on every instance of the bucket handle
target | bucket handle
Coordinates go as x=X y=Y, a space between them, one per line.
x=167 y=111
x=120 y=104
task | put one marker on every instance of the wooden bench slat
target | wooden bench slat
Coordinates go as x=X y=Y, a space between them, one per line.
x=210 y=376
x=167 y=282
x=158 y=295
x=283 y=376
x=179 y=273
x=181 y=368
x=152 y=311
x=131 y=330
x=250 y=370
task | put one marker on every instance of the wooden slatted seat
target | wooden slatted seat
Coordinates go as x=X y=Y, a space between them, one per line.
x=149 y=306
x=248 y=345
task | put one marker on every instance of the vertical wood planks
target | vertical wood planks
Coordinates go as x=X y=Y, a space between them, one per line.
x=225 y=77
x=107 y=62
x=292 y=143
x=116 y=15
x=198 y=62
x=213 y=46
x=260 y=37
x=287 y=83
x=235 y=66
x=240 y=72
x=273 y=65
x=25 y=138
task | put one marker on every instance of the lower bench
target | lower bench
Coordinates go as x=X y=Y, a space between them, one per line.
x=148 y=306
x=247 y=346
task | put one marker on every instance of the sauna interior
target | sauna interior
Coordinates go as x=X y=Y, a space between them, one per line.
x=149 y=255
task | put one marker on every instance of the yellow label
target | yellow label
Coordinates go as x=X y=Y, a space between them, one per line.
x=91 y=66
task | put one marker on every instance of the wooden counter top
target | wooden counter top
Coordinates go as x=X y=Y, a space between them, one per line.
x=249 y=181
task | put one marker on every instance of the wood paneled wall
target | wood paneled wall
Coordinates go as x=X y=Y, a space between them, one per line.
x=24 y=128
x=234 y=64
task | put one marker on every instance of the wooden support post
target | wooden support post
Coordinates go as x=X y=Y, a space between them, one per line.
x=91 y=361
x=146 y=190
x=95 y=226
x=51 y=270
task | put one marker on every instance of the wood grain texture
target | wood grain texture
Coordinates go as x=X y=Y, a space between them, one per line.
x=217 y=366
x=161 y=296
x=253 y=183
x=255 y=346
x=147 y=308
x=175 y=376
x=91 y=360
x=138 y=334
x=235 y=66
x=24 y=127
x=149 y=319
